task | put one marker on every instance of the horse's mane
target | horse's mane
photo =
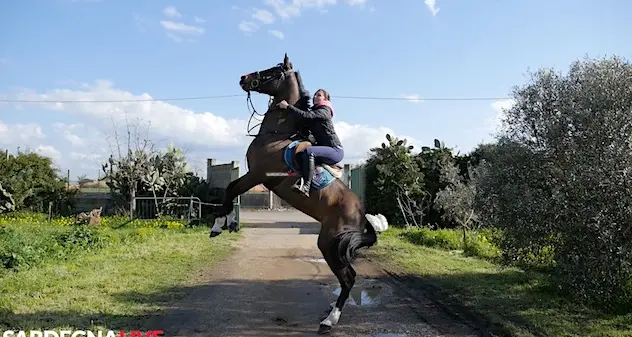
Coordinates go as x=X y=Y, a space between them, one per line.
x=303 y=102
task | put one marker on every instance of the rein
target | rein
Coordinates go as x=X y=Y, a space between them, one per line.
x=255 y=84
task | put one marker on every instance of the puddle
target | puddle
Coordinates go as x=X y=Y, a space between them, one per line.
x=363 y=296
x=312 y=259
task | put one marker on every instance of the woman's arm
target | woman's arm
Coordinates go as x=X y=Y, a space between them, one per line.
x=321 y=112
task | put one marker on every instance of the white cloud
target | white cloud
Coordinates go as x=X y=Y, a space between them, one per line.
x=499 y=108
x=432 y=6
x=181 y=27
x=27 y=137
x=69 y=132
x=248 y=27
x=283 y=10
x=199 y=19
x=287 y=9
x=201 y=134
x=178 y=31
x=413 y=98
x=171 y=11
x=166 y=119
x=88 y=161
x=278 y=34
x=264 y=16
x=356 y=2
x=359 y=139
x=49 y=151
x=293 y=8
x=15 y=134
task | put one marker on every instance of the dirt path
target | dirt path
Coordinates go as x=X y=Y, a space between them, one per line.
x=275 y=285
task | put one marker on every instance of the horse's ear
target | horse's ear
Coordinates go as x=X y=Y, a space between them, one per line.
x=286 y=62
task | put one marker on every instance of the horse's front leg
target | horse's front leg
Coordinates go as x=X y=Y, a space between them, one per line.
x=236 y=187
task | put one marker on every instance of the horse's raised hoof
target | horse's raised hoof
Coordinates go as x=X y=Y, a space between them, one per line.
x=323 y=329
x=214 y=234
x=233 y=227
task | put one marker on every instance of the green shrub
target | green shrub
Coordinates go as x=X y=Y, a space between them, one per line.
x=440 y=238
x=32 y=218
x=83 y=238
x=479 y=244
x=24 y=247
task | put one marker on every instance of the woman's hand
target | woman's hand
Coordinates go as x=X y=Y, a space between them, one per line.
x=283 y=104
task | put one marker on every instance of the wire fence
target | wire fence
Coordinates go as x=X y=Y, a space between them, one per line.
x=189 y=209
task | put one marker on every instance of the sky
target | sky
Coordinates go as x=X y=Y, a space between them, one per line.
x=426 y=56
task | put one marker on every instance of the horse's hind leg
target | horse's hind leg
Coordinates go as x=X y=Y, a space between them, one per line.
x=234 y=189
x=346 y=276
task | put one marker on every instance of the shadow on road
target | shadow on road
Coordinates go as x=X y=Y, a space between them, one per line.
x=229 y=308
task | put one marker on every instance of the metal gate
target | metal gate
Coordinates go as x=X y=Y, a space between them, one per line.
x=358 y=181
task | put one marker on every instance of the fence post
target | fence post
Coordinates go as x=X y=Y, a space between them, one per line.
x=190 y=210
x=132 y=204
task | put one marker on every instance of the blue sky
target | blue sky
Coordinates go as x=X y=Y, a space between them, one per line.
x=130 y=49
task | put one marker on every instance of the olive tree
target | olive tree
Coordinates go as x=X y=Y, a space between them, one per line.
x=559 y=183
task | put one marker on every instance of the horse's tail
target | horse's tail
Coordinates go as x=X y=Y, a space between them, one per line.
x=348 y=242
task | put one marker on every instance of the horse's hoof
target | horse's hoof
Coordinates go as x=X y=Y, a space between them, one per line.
x=214 y=234
x=323 y=329
x=233 y=227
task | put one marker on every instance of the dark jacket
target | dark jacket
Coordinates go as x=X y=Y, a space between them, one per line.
x=319 y=121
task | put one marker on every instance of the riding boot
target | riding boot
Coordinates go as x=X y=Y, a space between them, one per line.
x=297 y=184
x=308 y=167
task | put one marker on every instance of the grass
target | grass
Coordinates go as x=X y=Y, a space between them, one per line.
x=103 y=287
x=523 y=303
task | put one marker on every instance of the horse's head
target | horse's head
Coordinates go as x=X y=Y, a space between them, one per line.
x=269 y=81
x=282 y=83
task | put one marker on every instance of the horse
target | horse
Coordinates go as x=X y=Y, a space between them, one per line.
x=272 y=159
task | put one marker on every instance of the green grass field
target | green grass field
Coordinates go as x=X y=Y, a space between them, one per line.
x=522 y=302
x=114 y=277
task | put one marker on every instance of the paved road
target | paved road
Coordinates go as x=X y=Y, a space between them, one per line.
x=276 y=285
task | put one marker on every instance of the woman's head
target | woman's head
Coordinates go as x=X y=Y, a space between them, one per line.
x=321 y=95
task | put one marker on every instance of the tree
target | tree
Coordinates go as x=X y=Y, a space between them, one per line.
x=7 y=204
x=392 y=174
x=138 y=169
x=457 y=198
x=33 y=182
x=128 y=164
x=166 y=173
x=559 y=182
x=431 y=162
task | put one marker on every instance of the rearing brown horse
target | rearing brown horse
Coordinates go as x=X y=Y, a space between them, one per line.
x=345 y=228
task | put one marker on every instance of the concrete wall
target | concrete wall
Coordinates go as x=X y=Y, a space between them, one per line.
x=220 y=175
x=262 y=200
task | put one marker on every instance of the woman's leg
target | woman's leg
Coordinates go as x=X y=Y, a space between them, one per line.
x=326 y=154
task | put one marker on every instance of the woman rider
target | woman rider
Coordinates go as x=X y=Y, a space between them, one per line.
x=328 y=148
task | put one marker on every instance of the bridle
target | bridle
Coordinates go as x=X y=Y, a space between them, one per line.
x=258 y=81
